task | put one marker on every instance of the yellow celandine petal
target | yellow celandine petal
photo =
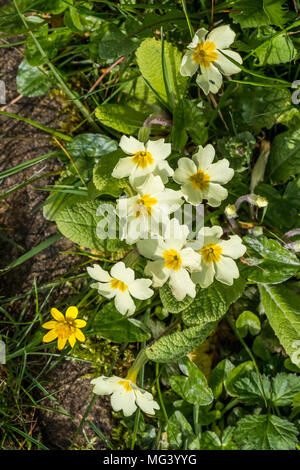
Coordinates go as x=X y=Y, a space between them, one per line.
x=61 y=343
x=50 y=336
x=49 y=325
x=79 y=335
x=57 y=315
x=79 y=323
x=72 y=313
x=72 y=341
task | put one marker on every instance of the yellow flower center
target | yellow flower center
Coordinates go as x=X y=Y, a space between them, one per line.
x=143 y=159
x=172 y=259
x=145 y=202
x=126 y=385
x=200 y=180
x=211 y=252
x=65 y=329
x=205 y=53
x=117 y=284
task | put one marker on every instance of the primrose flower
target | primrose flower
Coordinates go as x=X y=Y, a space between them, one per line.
x=64 y=328
x=171 y=260
x=206 y=52
x=125 y=394
x=202 y=179
x=217 y=256
x=121 y=286
x=150 y=208
x=144 y=159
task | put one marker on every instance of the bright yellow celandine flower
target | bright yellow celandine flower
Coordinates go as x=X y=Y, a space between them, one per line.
x=64 y=328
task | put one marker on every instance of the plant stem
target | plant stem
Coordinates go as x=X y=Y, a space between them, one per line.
x=235 y=330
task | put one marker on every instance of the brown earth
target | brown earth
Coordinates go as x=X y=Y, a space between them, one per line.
x=22 y=221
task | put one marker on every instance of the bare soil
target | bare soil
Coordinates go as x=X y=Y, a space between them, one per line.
x=22 y=221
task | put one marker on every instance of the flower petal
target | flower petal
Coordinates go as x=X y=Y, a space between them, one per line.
x=105 y=385
x=210 y=79
x=220 y=172
x=98 y=273
x=130 y=145
x=71 y=313
x=233 y=247
x=222 y=36
x=204 y=157
x=181 y=284
x=61 y=342
x=205 y=277
x=123 y=400
x=192 y=195
x=190 y=259
x=188 y=67
x=79 y=335
x=226 y=270
x=119 y=271
x=50 y=336
x=198 y=37
x=49 y=325
x=215 y=194
x=209 y=235
x=159 y=149
x=163 y=170
x=79 y=323
x=224 y=64
x=159 y=273
x=57 y=315
x=140 y=289
x=124 y=303
x=145 y=401
x=124 y=168
x=186 y=168
x=72 y=340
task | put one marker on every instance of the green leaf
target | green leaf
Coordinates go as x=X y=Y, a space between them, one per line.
x=282 y=211
x=259 y=13
x=56 y=6
x=259 y=107
x=193 y=387
x=284 y=388
x=180 y=433
x=265 y=432
x=86 y=150
x=276 y=50
x=173 y=347
x=272 y=263
x=188 y=118
x=115 y=44
x=211 y=304
x=281 y=305
x=10 y=21
x=150 y=64
x=219 y=375
x=248 y=322
x=169 y=301
x=110 y=324
x=102 y=175
x=78 y=221
x=121 y=117
x=250 y=390
x=211 y=441
x=284 y=160
x=239 y=372
x=31 y=81
x=50 y=43
x=237 y=149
